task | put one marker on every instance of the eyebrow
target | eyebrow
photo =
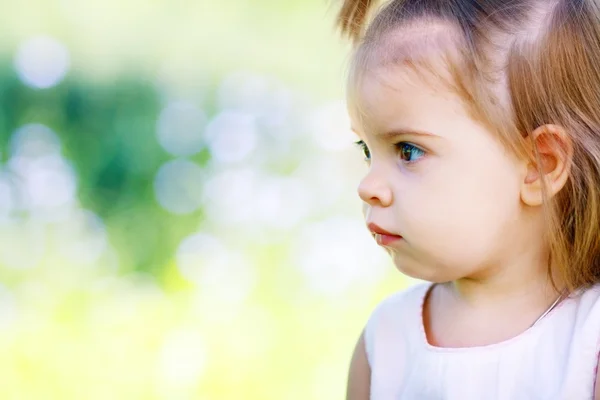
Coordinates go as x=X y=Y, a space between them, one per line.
x=401 y=132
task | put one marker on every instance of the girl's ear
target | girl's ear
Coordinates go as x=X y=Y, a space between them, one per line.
x=553 y=153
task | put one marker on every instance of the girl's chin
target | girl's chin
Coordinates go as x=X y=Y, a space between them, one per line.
x=423 y=273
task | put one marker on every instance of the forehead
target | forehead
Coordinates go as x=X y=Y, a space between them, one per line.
x=395 y=98
x=405 y=71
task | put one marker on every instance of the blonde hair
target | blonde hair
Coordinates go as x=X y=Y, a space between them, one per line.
x=518 y=65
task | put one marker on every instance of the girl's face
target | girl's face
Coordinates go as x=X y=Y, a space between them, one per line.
x=437 y=178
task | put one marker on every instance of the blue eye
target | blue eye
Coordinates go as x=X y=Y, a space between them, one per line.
x=408 y=152
x=365 y=149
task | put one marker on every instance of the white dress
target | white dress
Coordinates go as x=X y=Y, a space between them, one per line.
x=554 y=359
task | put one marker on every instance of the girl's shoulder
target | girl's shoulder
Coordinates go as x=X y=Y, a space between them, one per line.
x=588 y=296
x=585 y=306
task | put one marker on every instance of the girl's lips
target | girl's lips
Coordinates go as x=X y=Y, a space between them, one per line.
x=382 y=236
x=386 y=240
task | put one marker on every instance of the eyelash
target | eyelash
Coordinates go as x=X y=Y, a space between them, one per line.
x=400 y=146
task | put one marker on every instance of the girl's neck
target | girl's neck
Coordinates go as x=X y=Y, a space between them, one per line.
x=490 y=293
x=449 y=321
x=480 y=311
x=522 y=278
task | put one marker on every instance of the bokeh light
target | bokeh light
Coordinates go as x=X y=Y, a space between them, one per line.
x=45 y=181
x=42 y=62
x=178 y=186
x=180 y=128
x=33 y=141
x=231 y=136
x=228 y=196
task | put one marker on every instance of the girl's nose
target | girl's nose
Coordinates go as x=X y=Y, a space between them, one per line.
x=375 y=190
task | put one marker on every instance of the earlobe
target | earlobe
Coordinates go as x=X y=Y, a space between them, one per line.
x=551 y=166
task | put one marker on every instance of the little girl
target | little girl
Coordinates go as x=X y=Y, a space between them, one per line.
x=480 y=124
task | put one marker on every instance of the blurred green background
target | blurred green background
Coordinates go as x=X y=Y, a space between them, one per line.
x=178 y=215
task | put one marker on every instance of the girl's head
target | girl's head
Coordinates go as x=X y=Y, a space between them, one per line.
x=481 y=124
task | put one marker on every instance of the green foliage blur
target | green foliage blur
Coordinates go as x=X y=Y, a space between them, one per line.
x=107 y=131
